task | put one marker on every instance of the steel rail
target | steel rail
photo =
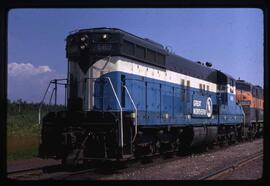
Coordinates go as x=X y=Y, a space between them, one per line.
x=227 y=169
x=25 y=171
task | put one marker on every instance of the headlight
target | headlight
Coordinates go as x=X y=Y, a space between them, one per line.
x=82 y=38
x=105 y=36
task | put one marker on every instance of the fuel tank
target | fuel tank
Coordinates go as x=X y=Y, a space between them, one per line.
x=204 y=135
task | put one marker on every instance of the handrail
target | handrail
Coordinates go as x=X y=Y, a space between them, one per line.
x=244 y=122
x=136 y=111
x=41 y=103
x=51 y=96
x=55 y=82
x=121 y=110
x=121 y=114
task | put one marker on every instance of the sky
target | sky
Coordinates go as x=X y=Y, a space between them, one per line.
x=231 y=39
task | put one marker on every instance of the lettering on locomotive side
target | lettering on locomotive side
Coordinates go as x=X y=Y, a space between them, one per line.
x=198 y=110
x=197 y=103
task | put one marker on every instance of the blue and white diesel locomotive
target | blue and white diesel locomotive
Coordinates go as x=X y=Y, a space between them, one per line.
x=129 y=96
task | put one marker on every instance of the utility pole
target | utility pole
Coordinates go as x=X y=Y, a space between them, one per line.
x=19 y=101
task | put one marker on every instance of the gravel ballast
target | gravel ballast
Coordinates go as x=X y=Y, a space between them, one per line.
x=196 y=166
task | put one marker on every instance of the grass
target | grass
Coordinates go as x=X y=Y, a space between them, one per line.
x=22 y=148
x=23 y=131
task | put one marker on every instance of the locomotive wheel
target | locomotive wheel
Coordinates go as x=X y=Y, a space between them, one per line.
x=164 y=147
x=200 y=148
x=184 y=149
x=250 y=135
x=68 y=162
x=73 y=158
x=223 y=142
x=210 y=146
x=153 y=148
x=231 y=139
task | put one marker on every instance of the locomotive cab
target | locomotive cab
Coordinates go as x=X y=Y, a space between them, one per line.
x=226 y=91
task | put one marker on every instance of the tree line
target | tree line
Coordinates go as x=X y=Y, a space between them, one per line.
x=20 y=106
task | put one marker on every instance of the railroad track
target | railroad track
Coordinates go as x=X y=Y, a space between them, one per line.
x=26 y=173
x=228 y=169
x=59 y=172
x=47 y=172
x=30 y=172
x=132 y=165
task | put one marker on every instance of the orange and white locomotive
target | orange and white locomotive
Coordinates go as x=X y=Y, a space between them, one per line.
x=250 y=97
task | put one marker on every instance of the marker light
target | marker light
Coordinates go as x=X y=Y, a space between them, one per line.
x=133 y=115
